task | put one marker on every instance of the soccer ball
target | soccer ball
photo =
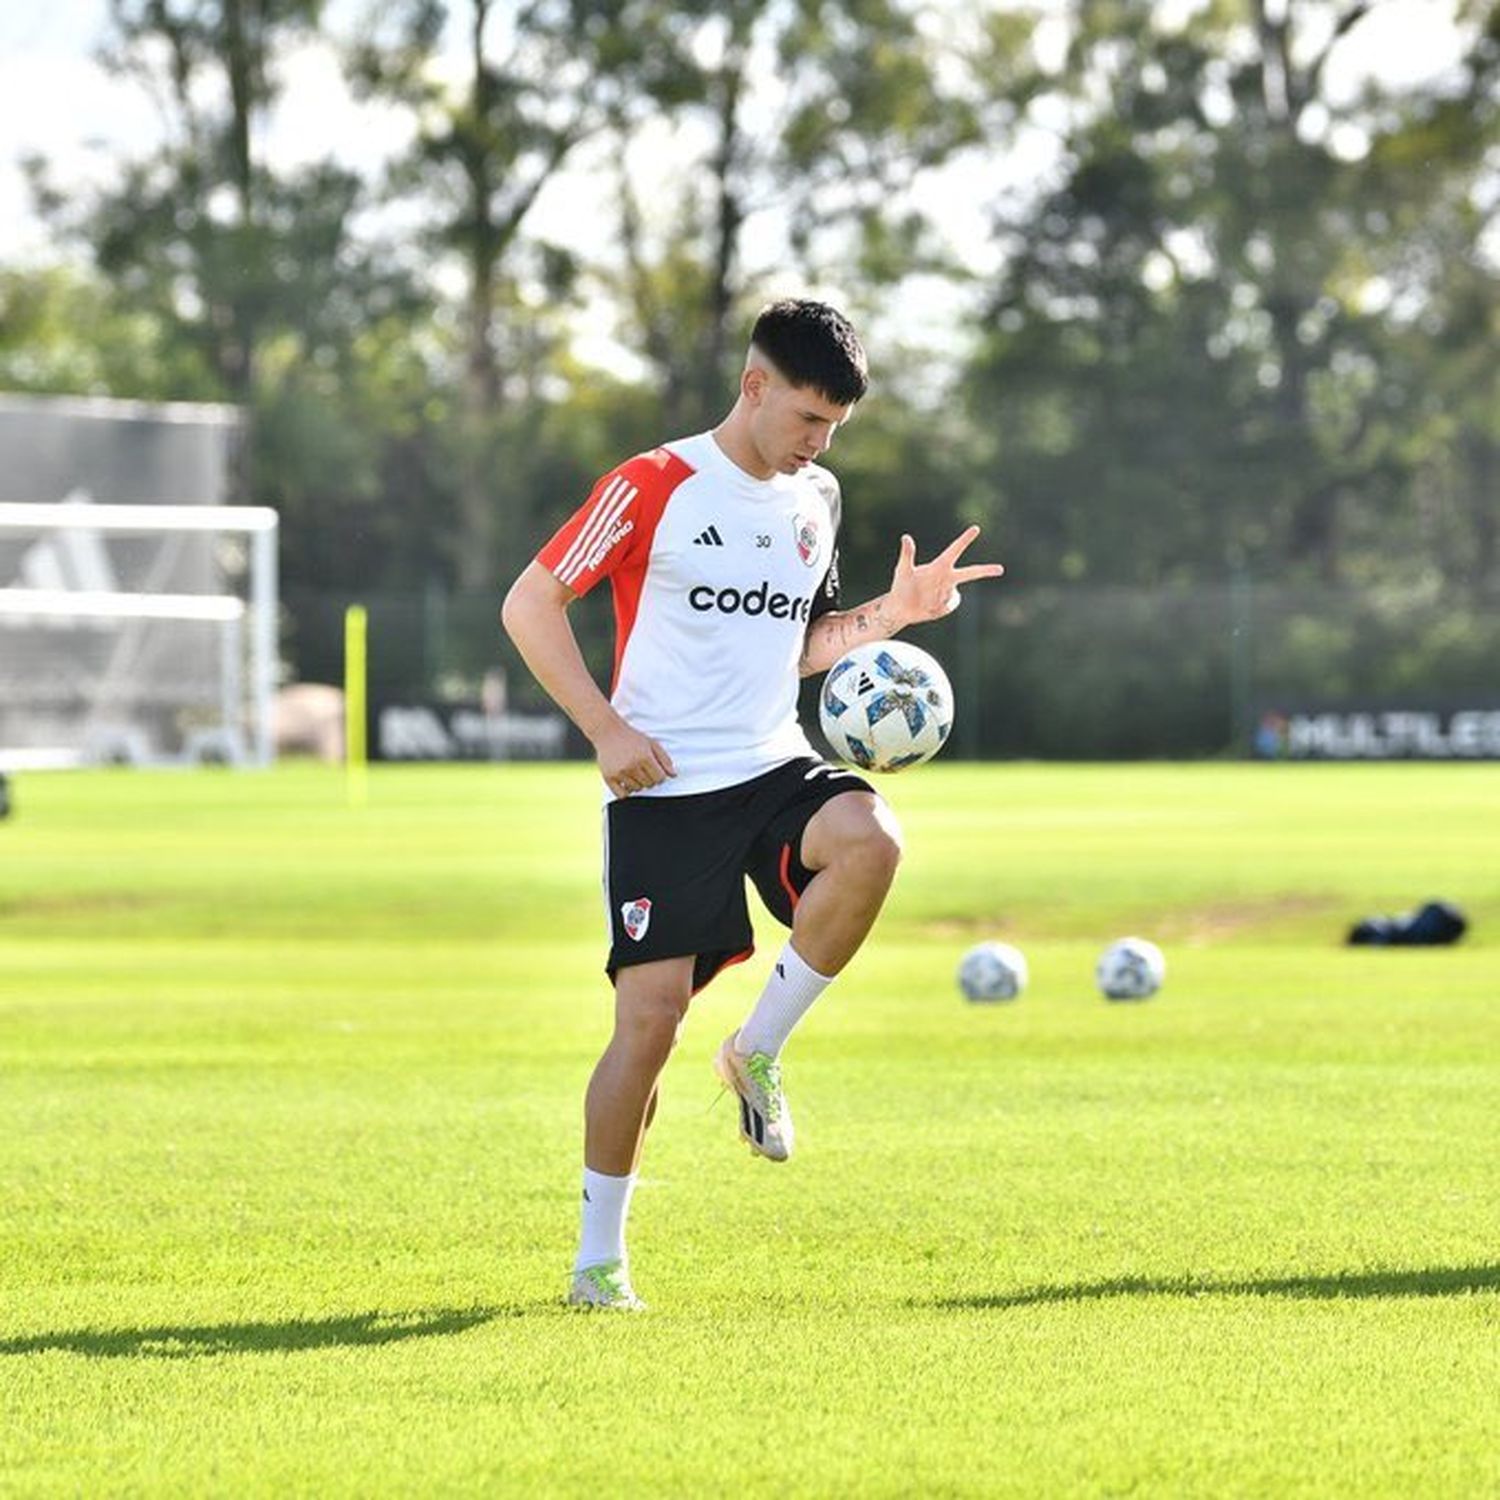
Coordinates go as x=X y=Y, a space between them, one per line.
x=1130 y=969
x=992 y=971
x=886 y=706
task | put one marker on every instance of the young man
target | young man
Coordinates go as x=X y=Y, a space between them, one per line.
x=722 y=553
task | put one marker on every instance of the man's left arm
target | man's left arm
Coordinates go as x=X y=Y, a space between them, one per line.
x=918 y=592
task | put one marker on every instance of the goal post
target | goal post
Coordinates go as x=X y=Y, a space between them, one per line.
x=134 y=633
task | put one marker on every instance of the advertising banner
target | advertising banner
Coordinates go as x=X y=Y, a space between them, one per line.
x=464 y=731
x=1468 y=733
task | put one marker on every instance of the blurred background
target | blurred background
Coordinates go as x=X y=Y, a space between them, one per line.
x=1191 y=304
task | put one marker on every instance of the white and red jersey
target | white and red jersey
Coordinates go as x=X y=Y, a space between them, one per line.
x=716 y=577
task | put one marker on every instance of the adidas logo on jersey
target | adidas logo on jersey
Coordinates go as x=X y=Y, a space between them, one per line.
x=752 y=601
x=709 y=538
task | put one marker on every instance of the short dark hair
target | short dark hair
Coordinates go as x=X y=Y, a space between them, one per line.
x=813 y=345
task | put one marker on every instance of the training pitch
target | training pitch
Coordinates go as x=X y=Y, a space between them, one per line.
x=290 y=1103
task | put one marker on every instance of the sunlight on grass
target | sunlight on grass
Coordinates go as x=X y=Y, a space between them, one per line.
x=292 y=1116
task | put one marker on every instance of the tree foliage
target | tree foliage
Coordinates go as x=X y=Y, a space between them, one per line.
x=802 y=125
x=1242 y=318
x=1202 y=346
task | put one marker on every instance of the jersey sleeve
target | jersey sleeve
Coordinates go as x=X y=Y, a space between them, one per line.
x=590 y=544
x=615 y=523
x=826 y=599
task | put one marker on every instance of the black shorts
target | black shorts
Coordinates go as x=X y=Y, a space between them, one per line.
x=675 y=867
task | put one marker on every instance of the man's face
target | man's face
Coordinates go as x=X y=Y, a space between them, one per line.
x=790 y=425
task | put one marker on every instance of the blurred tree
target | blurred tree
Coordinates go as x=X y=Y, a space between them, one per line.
x=249 y=285
x=801 y=125
x=1441 y=327
x=1194 y=352
x=192 y=228
x=63 y=331
x=539 y=78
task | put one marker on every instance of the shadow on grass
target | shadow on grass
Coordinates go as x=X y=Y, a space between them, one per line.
x=1435 y=1281
x=356 y=1331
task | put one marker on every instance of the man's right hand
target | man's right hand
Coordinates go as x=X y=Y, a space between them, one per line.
x=536 y=616
x=630 y=761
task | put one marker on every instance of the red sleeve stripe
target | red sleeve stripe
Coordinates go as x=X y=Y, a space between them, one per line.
x=618 y=494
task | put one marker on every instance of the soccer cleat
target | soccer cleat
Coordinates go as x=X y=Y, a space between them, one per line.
x=606 y=1286
x=765 y=1119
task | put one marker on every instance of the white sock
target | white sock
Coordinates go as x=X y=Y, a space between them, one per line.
x=606 y=1201
x=790 y=991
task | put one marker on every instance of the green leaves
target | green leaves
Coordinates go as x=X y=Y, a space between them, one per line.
x=1222 y=297
x=1208 y=300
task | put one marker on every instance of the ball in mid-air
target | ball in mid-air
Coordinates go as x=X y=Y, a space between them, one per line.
x=992 y=971
x=1130 y=969
x=886 y=706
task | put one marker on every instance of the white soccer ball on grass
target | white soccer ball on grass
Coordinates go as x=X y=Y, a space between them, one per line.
x=1130 y=969
x=886 y=706
x=992 y=971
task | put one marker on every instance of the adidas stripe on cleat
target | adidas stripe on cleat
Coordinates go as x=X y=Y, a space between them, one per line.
x=765 y=1119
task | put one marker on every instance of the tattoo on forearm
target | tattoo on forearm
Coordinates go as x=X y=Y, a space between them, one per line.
x=847 y=629
x=868 y=619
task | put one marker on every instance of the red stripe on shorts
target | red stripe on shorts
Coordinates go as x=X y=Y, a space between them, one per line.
x=786 y=864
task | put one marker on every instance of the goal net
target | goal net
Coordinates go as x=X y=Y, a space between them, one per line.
x=136 y=634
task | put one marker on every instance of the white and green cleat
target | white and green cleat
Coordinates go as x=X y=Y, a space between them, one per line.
x=607 y=1286
x=765 y=1118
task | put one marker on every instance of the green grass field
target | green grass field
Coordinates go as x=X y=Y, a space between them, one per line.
x=290 y=1102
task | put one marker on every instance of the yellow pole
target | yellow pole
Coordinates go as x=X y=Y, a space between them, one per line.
x=354 y=703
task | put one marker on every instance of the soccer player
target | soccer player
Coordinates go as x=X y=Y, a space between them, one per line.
x=721 y=550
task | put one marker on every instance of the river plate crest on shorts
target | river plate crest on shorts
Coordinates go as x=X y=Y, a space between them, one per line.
x=809 y=539
x=637 y=917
